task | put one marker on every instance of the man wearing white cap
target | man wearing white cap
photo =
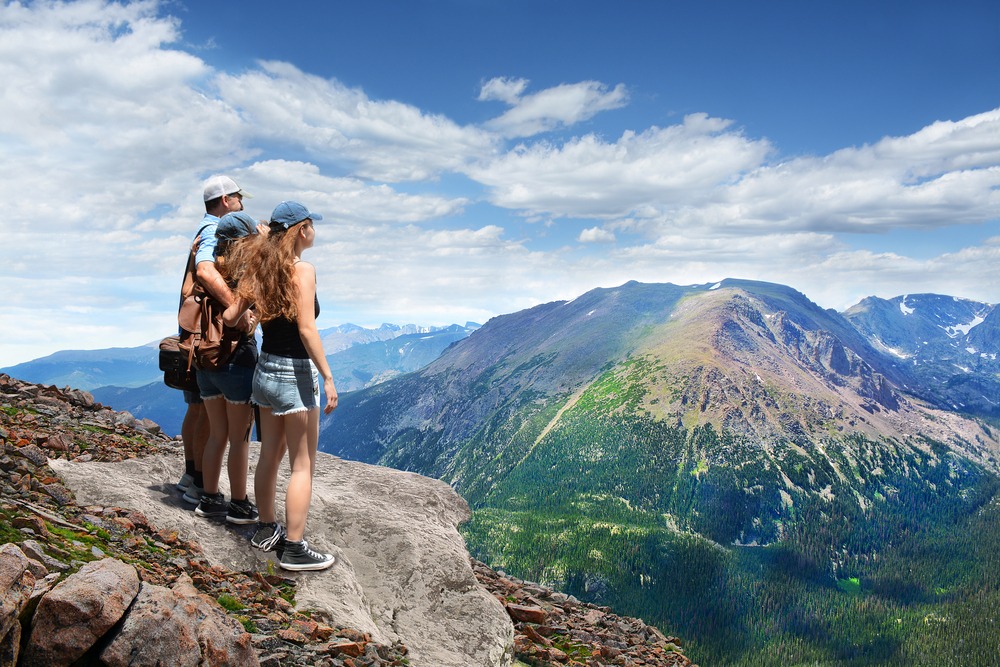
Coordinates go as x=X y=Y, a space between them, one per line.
x=222 y=195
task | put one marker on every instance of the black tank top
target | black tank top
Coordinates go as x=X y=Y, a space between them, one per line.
x=281 y=337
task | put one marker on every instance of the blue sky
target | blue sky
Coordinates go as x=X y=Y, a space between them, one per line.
x=473 y=157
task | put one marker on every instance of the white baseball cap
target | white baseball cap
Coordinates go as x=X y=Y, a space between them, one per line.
x=217 y=186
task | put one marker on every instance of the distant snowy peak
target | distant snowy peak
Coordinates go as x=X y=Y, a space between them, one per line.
x=916 y=325
x=955 y=316
x=949 y=345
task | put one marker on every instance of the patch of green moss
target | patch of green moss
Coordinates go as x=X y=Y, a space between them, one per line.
x=230 y=603
x=96 y=429
x=574 y=649
x=7 y=532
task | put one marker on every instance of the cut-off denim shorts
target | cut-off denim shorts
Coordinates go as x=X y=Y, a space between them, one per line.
x=285 y=385
x=233 y=382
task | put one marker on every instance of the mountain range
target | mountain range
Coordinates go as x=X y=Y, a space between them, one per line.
x=769 y=478
x=130 y=378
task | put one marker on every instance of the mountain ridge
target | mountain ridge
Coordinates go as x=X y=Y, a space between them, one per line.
x=833 y=364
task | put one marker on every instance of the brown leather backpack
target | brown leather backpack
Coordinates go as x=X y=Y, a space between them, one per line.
x=208 y=342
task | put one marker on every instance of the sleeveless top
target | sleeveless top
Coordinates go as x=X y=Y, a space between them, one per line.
x=281 y=337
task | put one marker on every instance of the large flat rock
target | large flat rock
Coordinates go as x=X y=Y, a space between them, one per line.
x=402 y=571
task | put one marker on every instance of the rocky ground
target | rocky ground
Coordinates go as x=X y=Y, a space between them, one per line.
x=41 y=515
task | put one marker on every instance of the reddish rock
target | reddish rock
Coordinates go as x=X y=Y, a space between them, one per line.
x=57 y=442
x=526 y=614
x=307 y=627
x=178 y=626
x=293 y=636
x=78 y=611
x=35 y=523
x=348 y=648
x=16 y=585
x=322 y=632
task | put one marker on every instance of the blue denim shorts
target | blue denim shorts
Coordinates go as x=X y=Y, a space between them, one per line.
x=233 y=382
x=192 y=397
x=285 y=385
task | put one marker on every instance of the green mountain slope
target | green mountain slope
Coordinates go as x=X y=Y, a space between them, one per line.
x=730 y=461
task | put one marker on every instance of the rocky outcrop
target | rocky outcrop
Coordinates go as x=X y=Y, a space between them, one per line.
x=403 y=572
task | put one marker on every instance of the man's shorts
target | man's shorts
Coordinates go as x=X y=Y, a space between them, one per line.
x=285 y=385
x=233 y=382
x=192 y=397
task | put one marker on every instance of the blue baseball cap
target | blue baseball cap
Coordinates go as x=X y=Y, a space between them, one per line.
x=236 y=225
x=290 y=213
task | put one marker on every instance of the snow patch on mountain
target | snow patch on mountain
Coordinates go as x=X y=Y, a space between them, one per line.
x=896 y=352
x=963 y=329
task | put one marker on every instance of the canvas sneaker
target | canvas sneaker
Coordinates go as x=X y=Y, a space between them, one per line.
x=268 y=537
x=193 y=494
x=185 y=481
x=298 y=556
x=242 y=512
x=212 y=505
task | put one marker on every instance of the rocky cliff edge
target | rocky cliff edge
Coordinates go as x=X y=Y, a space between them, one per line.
x=402 y=572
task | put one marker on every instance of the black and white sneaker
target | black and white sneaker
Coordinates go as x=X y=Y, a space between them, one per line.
x=268 y=537
x=242 y=512
x=298 y=556
x=212 y=505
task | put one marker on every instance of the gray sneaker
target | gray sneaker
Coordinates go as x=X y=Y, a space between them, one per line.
x=242 y=512
x=268 y=537
x=193 y=494
x=298 y=556
x=212 y=505
x=185 y=481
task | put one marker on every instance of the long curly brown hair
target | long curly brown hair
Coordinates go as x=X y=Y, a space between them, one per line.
x=263 y=268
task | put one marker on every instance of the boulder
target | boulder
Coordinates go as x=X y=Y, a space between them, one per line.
x=16 y=584
x=78 y=612
x=178 y=626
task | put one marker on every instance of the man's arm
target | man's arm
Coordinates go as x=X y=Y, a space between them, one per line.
x=214 y=284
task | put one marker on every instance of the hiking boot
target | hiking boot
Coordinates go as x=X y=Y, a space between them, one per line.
x=193 y=494
x=185 y=481
x=242 y=512
x=212 y=505
x=268 y=536
x=298 y=556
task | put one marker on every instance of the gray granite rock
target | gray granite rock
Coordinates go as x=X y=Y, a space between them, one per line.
x=402 y=572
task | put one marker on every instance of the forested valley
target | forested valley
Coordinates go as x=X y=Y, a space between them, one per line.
x=858 y=552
